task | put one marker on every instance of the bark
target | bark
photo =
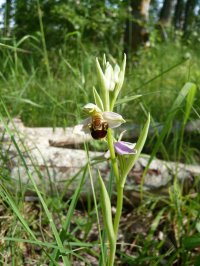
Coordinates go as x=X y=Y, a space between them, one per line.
x=23 y=18
x=189 y=17
x=179 y=14
x=165 y=19
x=7 y=18
x=136 y=32
x=166 y=12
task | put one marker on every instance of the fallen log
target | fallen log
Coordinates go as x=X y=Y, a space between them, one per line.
x=132 y=132
x=61 y=168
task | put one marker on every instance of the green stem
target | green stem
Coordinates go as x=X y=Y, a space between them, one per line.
x=119 y=197
x=112 y=254
x=119 y=206
x=112 y=155
x=106 y=100
x=116 y=224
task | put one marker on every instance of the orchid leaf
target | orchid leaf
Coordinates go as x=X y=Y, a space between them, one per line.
x=106 y=210
x=139 y=146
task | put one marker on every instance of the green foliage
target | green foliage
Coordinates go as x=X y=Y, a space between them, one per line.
x=68 y=23
x=43 y=203
x=191 y=242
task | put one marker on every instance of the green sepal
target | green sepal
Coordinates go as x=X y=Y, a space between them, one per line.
x=104 y=91
x=97 y=99
x=104 y=61
x=101 y=75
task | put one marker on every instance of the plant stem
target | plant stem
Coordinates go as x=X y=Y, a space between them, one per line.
x=112 y=155
x=119 y=197
x=112 y=254
x=116 y=224
x=120 y=191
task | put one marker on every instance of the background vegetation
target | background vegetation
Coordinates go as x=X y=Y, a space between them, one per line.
x=47 y=72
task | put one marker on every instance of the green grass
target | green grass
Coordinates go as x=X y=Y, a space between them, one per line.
x=44 y=231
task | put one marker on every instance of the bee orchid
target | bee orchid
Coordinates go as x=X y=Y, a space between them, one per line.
x=98 y=122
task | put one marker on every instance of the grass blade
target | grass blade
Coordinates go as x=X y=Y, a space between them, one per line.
x=70 y=211
x=5 y=195
x=177 y=103
x=49 y=215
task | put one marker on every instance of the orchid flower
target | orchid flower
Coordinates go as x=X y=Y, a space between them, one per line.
x=98 y=122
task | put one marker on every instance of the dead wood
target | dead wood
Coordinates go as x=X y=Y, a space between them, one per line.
x=61 y=168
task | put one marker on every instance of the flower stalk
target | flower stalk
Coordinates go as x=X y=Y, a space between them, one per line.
x=113 y=155
x=122 y=154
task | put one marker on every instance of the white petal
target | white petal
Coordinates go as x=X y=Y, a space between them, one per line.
x=116 y=73
x=107 y=154
x=82 y=128
x=109 y=76
x=108 y=71
x=113 y=119
x=112 y=85
x=91 y=108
